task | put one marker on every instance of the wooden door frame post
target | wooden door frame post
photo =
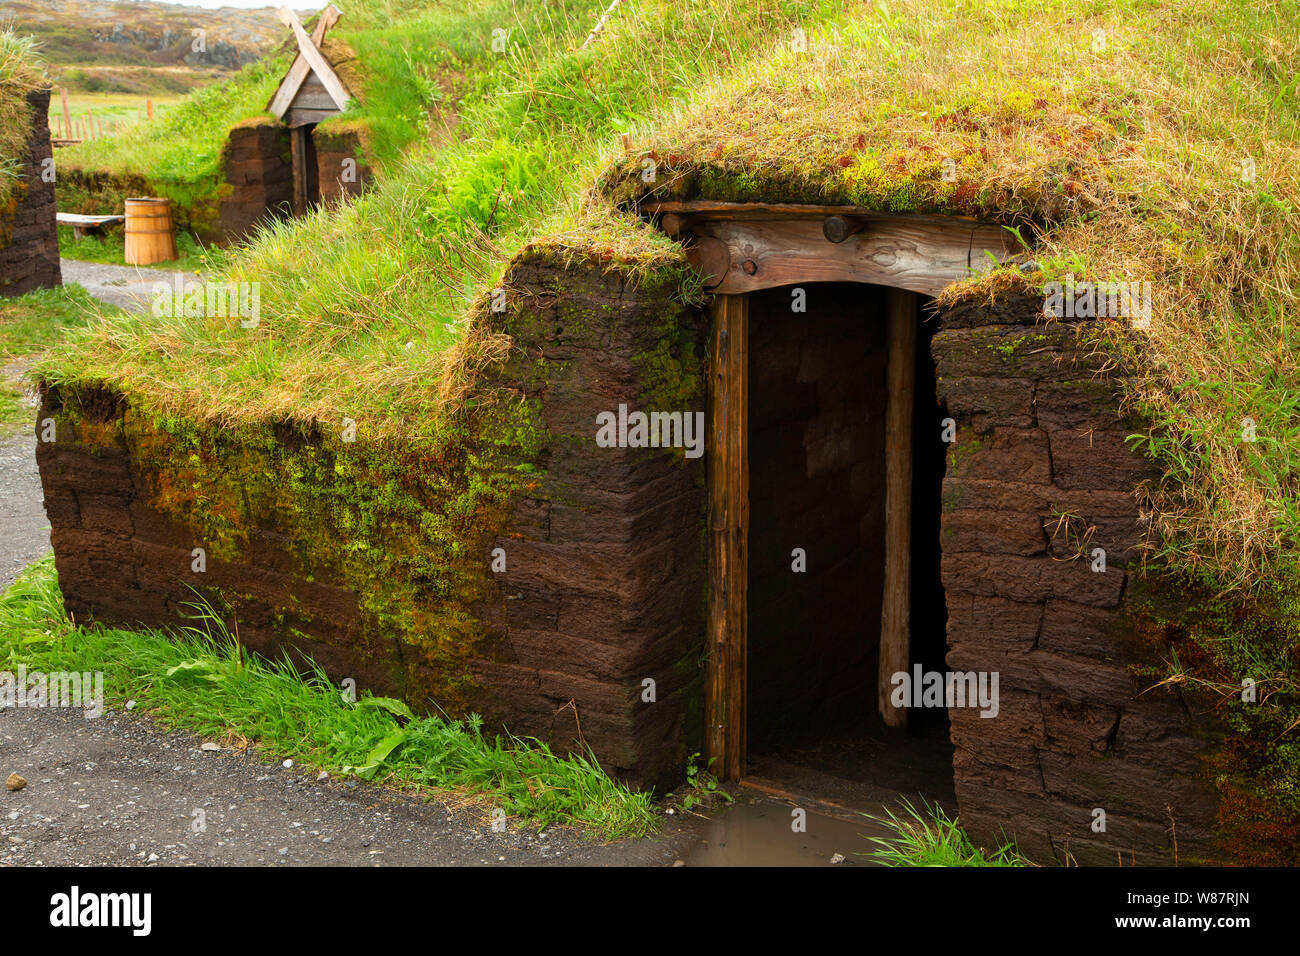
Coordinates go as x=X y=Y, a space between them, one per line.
x=895 y=611
x=728 y=489
x=298 y=137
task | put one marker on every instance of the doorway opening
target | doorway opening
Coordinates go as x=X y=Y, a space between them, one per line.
x=306 y=175
x=818 y=400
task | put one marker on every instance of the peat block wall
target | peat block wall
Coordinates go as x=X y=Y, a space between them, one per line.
x=341 y=167
x=29 y=238
x=1038 y=478
x=605 y=585
x=602 y=588
x=593 y=630
x=258 y=175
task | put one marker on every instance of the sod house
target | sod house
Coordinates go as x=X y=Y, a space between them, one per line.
x=868 y=400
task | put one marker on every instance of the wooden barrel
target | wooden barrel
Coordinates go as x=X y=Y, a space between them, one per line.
x=149 y=234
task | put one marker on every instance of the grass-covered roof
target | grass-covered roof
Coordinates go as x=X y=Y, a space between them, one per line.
x=21 y=70
x=1124 y=140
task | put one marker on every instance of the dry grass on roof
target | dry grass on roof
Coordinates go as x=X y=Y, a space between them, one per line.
x=1126 y=141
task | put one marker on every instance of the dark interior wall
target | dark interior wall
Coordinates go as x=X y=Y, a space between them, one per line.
x=302 y=150
x=816 y=405
x=29 y=239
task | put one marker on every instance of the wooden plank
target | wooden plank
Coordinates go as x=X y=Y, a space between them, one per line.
x=298 y=153
x=913 y=253
x=77 y=219
x=297 y=117
x=315 y=59
x=312 y=95
x=301 y=69
x=895 y=613
x=728 y=477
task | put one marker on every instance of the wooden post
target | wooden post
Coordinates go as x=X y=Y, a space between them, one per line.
x=895 y=613
x=728 y=477
x=298 y=156
x=67 y=113
x=90 y=124
x=148 y=106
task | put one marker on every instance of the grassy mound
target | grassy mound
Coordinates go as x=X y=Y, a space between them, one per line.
x=366 y=310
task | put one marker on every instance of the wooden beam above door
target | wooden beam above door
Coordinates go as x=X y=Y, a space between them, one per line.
x=745 y=247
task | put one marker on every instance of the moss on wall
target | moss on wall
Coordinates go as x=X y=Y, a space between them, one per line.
x=1209 y=644
x=400 y=526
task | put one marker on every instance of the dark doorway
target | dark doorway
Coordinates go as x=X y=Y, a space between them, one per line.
x=306 y=184
x=816 y=453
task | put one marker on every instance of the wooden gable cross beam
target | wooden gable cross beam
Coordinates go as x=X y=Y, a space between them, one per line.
x=309 y=60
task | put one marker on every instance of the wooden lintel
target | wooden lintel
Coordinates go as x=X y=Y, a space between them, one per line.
x=775 y=244
x=913 y=253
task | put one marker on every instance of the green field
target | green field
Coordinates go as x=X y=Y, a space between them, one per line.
x=122 y=109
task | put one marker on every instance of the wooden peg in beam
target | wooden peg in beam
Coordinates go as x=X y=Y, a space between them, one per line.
x=838 y=228
x=711 y=258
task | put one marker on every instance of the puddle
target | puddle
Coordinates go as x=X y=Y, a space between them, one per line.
x=756 y=831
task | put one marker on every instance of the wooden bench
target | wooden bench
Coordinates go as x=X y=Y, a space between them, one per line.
x=83 y=226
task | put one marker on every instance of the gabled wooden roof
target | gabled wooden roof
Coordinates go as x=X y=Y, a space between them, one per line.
x=310 y=90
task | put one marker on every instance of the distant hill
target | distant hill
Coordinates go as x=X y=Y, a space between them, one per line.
x=132 y=46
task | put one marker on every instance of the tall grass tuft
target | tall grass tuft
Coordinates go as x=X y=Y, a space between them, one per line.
x=927 y=836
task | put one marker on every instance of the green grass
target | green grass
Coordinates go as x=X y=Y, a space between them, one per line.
x=33 y=322
x=200 y=679
x=179 y=153
x=30 y=324
x=384 y=286
x=21 y=69
x=929 y=837
x=111 y=248
x=126 y=109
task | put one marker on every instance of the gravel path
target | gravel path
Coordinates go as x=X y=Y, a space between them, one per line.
x=24 y=529
x=119 y=791
x=130 y=287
